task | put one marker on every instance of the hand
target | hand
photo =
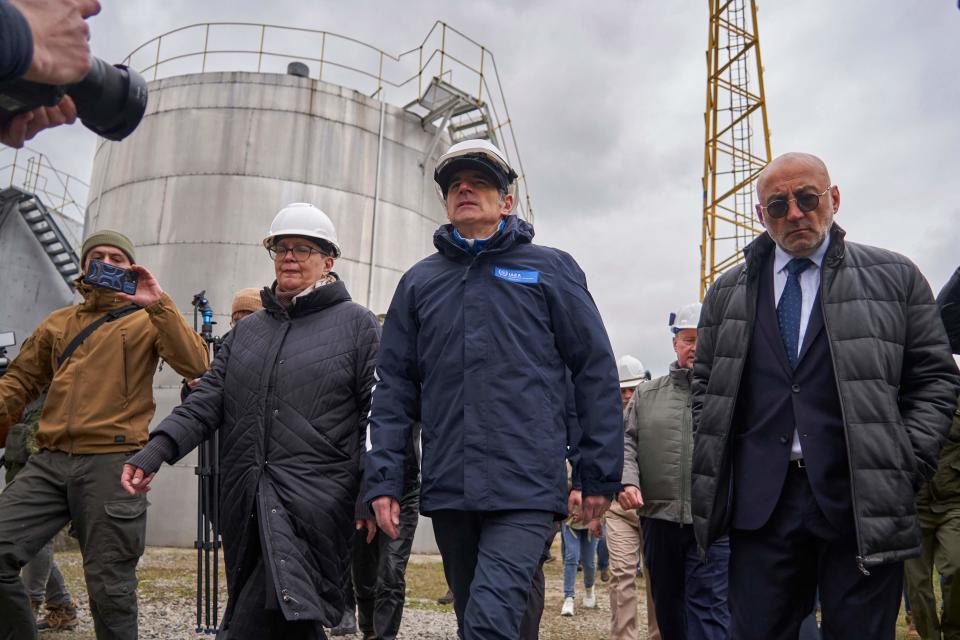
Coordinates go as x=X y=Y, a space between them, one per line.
x=132 y=480
x=23 y=126
x=371 y=526
x=596 y=528
x=148 y=289
x=61 y=48
x=630 y=498
x=192 y=385
x=594 y=507
x=387 y=510
x=574 y=502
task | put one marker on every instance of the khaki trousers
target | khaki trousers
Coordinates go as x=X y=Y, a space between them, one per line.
x=625 y=541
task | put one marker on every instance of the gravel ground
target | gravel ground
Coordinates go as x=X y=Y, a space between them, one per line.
x=167 y=601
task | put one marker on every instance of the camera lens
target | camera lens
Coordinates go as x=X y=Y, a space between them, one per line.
x=110 y=100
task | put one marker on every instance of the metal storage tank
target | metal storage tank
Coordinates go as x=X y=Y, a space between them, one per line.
x=220 y=151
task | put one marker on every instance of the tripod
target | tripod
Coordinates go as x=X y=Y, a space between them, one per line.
x=208 y=541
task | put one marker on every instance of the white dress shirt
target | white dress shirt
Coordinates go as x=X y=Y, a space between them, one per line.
x=809 y=287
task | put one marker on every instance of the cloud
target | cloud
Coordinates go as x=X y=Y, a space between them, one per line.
x=607 y=100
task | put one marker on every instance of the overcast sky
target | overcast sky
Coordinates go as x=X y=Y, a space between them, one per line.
x=607 y=101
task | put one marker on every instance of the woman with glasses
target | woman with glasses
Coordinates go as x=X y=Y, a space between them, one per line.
x=290 y=392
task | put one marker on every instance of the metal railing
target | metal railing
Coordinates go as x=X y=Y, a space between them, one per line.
x=63 y=194
x=402 y=78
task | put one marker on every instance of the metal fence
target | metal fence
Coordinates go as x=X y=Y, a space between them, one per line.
x=65 y=195
x=403 y=78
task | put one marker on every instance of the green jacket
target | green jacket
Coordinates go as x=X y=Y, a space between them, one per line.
x=942 y=492
x=658 y=445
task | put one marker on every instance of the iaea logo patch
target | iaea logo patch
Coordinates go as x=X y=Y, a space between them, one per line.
x=517 y=275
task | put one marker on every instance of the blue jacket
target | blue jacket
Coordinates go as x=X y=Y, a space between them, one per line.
x=476 y=348
x=16 y=43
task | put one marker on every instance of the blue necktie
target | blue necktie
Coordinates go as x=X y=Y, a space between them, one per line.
x=788 y=309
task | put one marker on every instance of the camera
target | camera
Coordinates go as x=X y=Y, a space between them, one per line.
x=110 y=100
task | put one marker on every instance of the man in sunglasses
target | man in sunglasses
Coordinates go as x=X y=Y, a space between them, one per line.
x=822 y=391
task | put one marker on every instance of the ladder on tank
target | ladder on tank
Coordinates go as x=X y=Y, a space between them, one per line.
x=463 y=115
x=45 y=229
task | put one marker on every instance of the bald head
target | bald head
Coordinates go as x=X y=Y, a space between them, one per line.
x=796 y=160
x=797 y=202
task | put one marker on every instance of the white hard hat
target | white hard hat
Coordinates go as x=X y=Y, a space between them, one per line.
x=478 y=154
x=631 y=372
x=306 y=221
x=686 y=318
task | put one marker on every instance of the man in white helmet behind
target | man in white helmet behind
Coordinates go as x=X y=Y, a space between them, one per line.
x=689 y=594
x=289 y=391
x=476 y=346
x=625 y=539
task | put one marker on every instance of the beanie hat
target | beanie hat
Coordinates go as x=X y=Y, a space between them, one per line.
x=247 y=300
x=110 y=238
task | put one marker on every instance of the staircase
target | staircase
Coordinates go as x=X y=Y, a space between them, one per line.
x=464 y=116
x=42 y=224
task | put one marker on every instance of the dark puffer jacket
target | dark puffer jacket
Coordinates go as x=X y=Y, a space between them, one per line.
x=290 y=392
x=896 y=379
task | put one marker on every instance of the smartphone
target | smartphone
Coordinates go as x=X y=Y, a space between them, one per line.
x=108 y=276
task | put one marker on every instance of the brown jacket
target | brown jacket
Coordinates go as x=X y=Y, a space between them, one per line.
x=101 y=399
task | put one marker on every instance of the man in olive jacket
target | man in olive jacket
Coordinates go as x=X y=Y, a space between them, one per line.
x=822 y=392
x=96 y=415
x=938 y=506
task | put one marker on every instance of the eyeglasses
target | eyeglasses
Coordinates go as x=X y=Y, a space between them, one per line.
x=301 y=252
x=806 y=202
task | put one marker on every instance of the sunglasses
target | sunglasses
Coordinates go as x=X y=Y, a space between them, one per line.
x=806 y=202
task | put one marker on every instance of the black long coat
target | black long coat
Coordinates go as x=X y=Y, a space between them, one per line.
x=290 y=393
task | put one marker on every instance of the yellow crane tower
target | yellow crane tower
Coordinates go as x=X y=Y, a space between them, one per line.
x=736 y=107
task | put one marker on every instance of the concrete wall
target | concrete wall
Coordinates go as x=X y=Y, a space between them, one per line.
x=30 y=286
x=216 y=156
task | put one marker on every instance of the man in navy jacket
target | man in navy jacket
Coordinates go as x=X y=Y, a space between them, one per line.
x=476 y=346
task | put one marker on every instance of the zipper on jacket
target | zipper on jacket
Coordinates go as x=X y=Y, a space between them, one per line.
x=846 y=433
x=688 y=419
x=124 y=390
x=72 y=413
x=466 y=271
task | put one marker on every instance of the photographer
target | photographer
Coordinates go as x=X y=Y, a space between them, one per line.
x=98 y=407
x=43 y=41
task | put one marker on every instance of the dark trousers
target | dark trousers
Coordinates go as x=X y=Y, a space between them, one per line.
x=940 y=533
x=530 y=624
x=775 y=572
x=378 y=574
x=53 y=489
x=489 y=558
x=690 y=595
